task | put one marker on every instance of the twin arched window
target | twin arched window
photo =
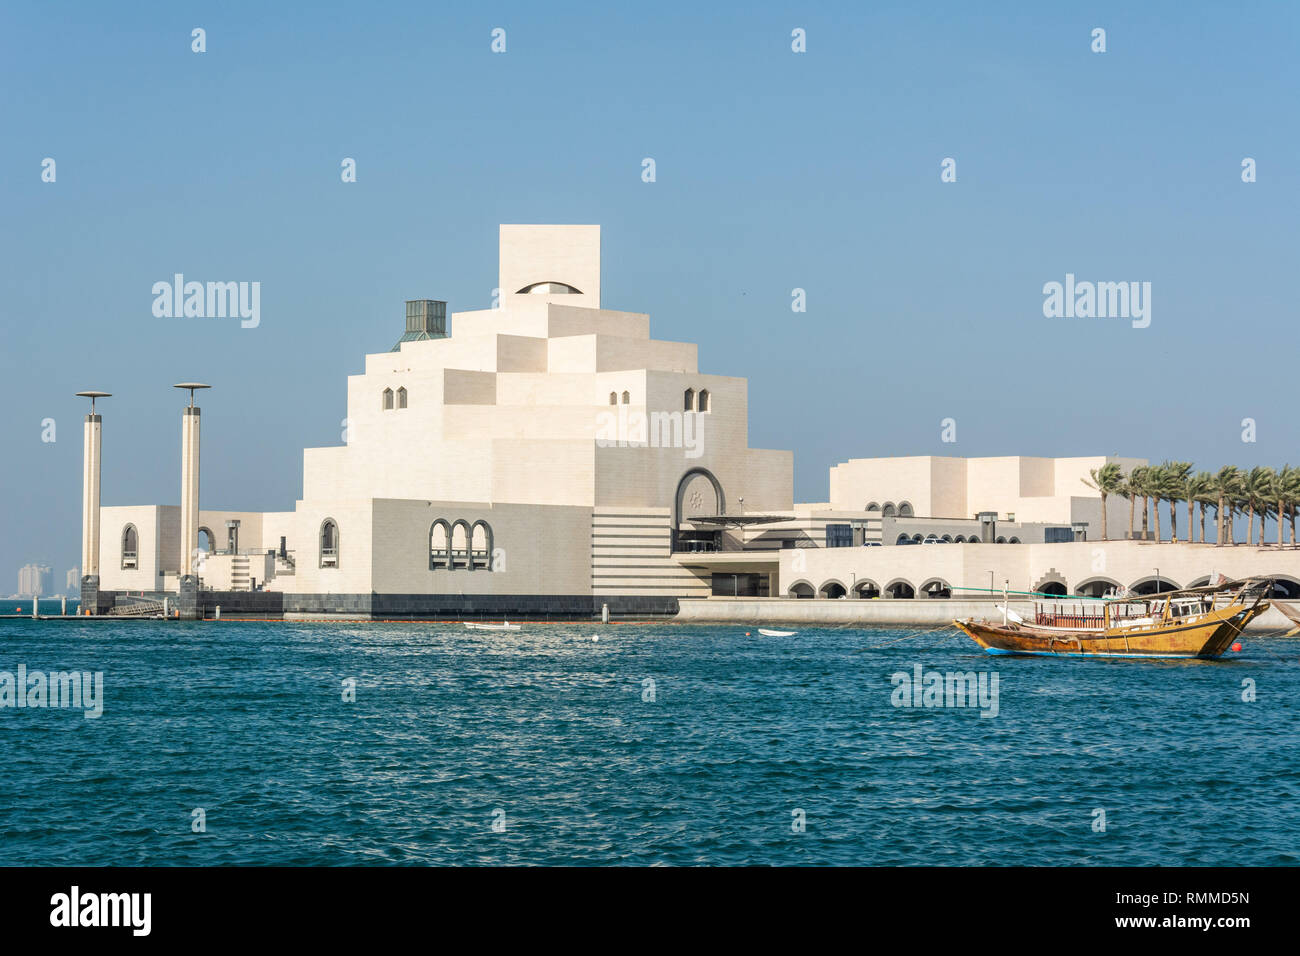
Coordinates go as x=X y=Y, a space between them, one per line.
x=329 y=544
x=130 y=548
x=459 y=545
x=393 y=399
x=613 y=398
x=694 y=401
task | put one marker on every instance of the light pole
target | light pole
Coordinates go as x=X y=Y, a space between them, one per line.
x=90 y=468
x=187 y=603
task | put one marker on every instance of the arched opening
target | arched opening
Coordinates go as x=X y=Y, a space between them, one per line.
x=903 y=539
x=702 y=403
x=1096 y=587
x=698 y=493
x=1054 y=588
x=899 y=589
x=1014 y=540
x=627 y=398
x=1001 y=540
x=833 y=590
x=549 y=287
x=387 y=399
x=688 y=401
x=890 y=510
x=613 y=398
x=1152 y=585
x=973 y=539
x=866 y=589
x=946 y=539
x=905 y=509
x=937 y=588
x=130 y=548
x=1285 y=588
x=205 y=541
x=401 y=397
x=439 y=545
x=480 y=545
x=801 y=589
x=460 y=535
x=873 y=506
x=916 y=539
x=329 y=544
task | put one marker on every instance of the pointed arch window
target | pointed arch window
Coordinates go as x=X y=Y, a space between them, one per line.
x=329 y=544
x=689 y=403
x=401 y=397
x=388 y=399
x=702 y=402
x=130 y=548
x=627 y=398
x=613 y=398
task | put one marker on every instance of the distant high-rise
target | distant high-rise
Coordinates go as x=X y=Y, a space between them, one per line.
x=34 y=580
x=73 y=585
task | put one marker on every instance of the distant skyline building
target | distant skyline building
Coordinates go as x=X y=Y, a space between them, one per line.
x=72 y=584
x=34 y=580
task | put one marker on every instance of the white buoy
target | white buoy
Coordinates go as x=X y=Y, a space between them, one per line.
x=595 y=638
x=166 y=613
x=604 y=614
x=63 y=607
x=36 y=608
x=216 y=613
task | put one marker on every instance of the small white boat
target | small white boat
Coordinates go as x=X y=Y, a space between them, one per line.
x=503 y=626
x=767 y=632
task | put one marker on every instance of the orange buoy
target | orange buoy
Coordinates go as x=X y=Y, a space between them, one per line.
x=1236 y=646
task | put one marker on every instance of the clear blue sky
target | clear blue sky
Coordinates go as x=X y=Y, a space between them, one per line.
x=775 y=171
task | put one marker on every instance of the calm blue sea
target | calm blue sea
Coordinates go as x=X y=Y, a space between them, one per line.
x=542 y=747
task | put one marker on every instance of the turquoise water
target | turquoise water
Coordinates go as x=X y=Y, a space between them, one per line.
x=449 y=726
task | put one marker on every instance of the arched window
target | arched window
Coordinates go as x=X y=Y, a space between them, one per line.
x=205 y=541
x=460 y=543
x=690 y=400
x=889 y=510
x=626 y=398
x=703 y=401
x=480 y=551
x=130 y=548
x=439 y=545
x=905 y=509
x=613 y=398
x=1015 y=540
x=388 y=399
x=873 y=506
x=401 y=397
x=329 y=544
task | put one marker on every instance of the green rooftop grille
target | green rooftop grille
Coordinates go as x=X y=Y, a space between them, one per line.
x=425 y=319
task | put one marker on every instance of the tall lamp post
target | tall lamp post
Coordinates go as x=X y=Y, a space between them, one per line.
x=187 y=602
x=92 y=439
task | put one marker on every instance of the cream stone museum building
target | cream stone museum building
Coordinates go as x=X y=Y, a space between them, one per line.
x=548 y=457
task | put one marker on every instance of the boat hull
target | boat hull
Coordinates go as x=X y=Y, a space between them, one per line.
x=1208 y=637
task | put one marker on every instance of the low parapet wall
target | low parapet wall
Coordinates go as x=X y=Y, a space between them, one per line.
x=866 y=613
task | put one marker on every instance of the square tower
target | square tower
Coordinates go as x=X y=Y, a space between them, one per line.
x=558 y=263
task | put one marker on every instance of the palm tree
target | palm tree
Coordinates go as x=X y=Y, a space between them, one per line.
x=1200 y=488
x=1227 y=483
x=1107 y=480
x=1257 y=492
x=1155 y=481
x=1133 y=486
x=1289 y=479
x=1176 y=475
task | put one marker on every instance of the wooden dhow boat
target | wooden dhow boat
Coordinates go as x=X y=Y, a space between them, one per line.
x=1195 y=622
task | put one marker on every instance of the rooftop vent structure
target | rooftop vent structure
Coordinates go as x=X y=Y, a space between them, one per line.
x=425 y=319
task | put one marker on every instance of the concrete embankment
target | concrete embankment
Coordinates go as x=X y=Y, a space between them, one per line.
x=877 y=613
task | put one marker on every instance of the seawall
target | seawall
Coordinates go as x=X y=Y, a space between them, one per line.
x=877 y=613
